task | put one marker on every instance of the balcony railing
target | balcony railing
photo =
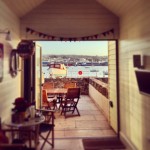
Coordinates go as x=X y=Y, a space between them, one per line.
x=83 y=83
x=99 y=86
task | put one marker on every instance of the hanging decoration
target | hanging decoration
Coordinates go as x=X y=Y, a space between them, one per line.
x=26 y=48
x=84 y=38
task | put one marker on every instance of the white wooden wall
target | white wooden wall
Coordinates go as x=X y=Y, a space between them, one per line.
x=134 y=107
x=112 y=84
x=9 y=87
x=22 y=7
x=69 y=18
x=84 y=18
x=120 y=7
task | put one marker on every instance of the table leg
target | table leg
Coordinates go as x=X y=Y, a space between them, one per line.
x=30 y=140
x=36 y=140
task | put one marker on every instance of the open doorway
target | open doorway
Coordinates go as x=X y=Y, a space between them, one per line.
x=81 y=59
x=84 y=64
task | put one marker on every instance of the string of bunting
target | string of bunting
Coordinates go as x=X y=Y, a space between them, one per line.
x=53 y=38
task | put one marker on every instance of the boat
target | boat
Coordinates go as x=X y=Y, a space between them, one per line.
x=57 y=70
x=105 y=72
x=92 y=64
x=45 y=63
x=105 y=63
x=94 y=70
x=83 y=64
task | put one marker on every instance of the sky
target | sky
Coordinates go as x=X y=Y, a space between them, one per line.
x=91 y=48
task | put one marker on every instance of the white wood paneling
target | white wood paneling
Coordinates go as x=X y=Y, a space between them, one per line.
x=134 y=107
x=22 y=7
x=120 y=7
x=69 y=18
x=112 y=84
x=9 y=87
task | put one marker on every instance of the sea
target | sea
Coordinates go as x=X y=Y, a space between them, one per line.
x=81 y=71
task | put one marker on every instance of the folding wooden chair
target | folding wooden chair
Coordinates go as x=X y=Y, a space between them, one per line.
x=70 y=102
x=66 y=85
x=48 y=102
x=48 y=128
x=49 y=85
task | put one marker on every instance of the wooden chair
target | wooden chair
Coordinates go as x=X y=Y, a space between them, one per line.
x=70 y=102
x=48 y=85
x=70 y=85
x=66 y=85
x=47 y=128
x=48 y=102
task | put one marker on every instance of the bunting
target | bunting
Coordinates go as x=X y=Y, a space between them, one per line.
x=84 y=38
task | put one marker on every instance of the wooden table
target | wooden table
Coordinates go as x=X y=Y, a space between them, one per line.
x=57 y=91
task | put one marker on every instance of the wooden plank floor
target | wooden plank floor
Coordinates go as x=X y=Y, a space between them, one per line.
x=69 y=132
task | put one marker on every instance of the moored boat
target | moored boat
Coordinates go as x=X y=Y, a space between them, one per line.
x=45 y=63
x=57 y=70
x=94 y=70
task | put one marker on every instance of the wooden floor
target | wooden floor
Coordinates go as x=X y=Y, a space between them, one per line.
x=69 y=132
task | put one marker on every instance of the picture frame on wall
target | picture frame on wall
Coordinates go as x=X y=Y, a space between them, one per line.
x=1 y=61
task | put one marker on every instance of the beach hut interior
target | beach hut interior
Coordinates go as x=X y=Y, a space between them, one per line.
x=113 y=113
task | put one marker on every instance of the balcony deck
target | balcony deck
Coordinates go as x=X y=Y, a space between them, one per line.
x=92 y=123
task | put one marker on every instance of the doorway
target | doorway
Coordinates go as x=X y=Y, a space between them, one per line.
x=112 y=81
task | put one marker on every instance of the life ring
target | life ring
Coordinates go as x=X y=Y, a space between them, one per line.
x=80 y=72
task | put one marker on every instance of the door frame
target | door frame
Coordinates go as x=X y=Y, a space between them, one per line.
x=117 y=82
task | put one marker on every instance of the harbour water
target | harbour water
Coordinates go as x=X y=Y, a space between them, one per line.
x=81 y=71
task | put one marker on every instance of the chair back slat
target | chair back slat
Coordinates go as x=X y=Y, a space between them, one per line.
x=69 y=105
x=44 y=96
x=70 y=85
x=73 y=93
x=48 y=102
x=48 y=85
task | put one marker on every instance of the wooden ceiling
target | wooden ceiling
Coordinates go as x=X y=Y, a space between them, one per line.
x=118 y=7
x=22 y=7
x=69 y=18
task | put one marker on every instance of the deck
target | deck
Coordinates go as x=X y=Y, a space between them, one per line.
x=69 y=132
